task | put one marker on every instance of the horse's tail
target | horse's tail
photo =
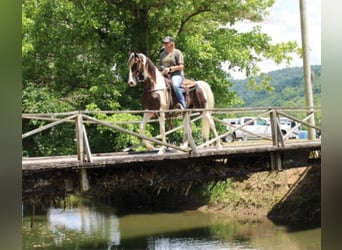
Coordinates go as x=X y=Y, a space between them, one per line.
x=209 y=105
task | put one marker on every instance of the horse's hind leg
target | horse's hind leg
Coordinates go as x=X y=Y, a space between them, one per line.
x=146 y=118
x=187 y=126
x=210 y=120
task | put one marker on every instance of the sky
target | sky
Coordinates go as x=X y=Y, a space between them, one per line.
x=283 y=24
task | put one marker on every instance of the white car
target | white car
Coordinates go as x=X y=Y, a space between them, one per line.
x=254 y=129
x=289 y=125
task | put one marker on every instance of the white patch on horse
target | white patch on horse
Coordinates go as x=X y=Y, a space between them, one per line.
x=199 y=85
x=131 y=80
x=161 y=85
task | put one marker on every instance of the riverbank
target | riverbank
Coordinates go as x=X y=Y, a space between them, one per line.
x=287 y=196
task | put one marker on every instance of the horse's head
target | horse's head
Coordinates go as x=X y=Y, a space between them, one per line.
x=136 y=68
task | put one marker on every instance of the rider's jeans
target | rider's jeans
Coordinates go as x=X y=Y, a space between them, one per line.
x=176 y=83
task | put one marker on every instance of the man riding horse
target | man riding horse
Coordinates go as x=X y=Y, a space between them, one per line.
x=172 y=62
x=156 y=96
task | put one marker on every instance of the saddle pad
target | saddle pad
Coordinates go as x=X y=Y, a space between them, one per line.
x=188 y=83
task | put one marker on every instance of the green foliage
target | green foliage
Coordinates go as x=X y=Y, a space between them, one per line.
x=63 y=51
x=77 y=46
x=42 y=100
x=221 y=191
x=287 y=89
x=54 y=141
x=106 y=139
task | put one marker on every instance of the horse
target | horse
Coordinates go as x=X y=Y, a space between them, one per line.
x=159 y=95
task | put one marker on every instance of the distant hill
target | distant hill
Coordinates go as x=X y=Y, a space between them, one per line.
x=288 y=89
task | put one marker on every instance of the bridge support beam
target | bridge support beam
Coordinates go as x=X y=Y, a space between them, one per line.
x=81 y=138
x=84 y=180
x=276 y=162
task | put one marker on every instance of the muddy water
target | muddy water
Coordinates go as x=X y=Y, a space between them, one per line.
x=97 y=226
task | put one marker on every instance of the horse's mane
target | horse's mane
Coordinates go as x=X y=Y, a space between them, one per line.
x=151 y=68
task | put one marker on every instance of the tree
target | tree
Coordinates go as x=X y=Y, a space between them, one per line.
x=79 y=48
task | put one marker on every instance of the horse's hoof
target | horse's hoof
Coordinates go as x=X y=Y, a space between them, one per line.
x=150 y=147
x=161 y=150
x=179 y=106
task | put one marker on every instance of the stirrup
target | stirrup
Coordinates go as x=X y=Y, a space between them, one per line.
x=180 y=106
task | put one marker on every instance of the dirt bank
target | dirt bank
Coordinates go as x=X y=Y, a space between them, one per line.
x=286 y=196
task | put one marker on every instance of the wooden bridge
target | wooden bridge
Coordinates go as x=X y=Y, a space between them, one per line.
x=276 y=152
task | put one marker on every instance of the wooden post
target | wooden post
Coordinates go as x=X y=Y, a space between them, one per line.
x=79 y=138
x=307 y=67
x=86 y=145
x=84 y=180
x=188 y=131
x=80 y=152
x=33 y=213
x=276 y=163
x=273 y=120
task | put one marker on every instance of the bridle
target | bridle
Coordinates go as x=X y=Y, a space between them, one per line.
x=136 y=65
x=137 y=69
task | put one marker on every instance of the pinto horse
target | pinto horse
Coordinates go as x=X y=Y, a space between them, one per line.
x=158 y=95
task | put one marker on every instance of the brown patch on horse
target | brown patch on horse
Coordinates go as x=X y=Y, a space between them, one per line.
x=151 y=69
x=197 y=98
x=150 y=99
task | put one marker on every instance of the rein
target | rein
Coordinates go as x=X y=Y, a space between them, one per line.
x=139 y=64
x=155 y=90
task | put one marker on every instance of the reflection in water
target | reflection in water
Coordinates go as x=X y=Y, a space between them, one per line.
x=98 y=227
x=184 y=243
x=84 y=221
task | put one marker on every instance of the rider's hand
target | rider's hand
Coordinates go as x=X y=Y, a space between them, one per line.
x=166 y=71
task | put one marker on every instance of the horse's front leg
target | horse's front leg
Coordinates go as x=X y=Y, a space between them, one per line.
x=146 y=118
x=162 y=131
x=188 y=138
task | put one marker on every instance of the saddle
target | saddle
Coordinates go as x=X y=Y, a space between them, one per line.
x=188 y=85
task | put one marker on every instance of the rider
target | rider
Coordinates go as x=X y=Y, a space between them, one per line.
x=172 y=62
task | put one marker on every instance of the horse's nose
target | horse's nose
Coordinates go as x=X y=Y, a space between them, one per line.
x=131 y=83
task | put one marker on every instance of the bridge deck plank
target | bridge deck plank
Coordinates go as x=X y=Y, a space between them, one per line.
x=112 y=159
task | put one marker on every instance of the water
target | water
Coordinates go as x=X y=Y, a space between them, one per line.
x=97 y=226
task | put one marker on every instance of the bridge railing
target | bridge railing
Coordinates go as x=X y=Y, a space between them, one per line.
x=301 y=115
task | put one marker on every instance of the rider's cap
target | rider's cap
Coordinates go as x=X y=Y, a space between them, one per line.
x=168 y=39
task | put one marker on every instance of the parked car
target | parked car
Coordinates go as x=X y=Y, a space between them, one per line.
x=290 y=124
x=254 y=129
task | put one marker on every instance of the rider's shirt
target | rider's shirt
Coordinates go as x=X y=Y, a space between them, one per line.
x=172 y=59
